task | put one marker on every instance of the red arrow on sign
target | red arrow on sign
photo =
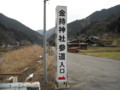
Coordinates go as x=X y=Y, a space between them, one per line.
x=61 y=78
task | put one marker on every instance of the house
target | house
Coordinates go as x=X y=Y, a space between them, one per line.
x=94 y=41
x=76 y=45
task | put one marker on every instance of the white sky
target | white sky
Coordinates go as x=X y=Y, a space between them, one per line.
x=30 y=12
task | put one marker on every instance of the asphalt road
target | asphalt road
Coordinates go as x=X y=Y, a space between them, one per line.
x=92 y=73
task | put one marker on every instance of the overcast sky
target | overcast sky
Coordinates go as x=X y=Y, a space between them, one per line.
x=30 y=12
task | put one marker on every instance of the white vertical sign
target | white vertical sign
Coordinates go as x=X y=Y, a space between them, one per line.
x=61 y=43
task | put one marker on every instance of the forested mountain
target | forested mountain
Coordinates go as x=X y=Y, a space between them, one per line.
x=112 y=25
x=13 y=31
x=48 y=33
x=98 y=23
x=40 y=32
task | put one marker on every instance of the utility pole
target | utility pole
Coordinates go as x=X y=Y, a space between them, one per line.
x=44 y=22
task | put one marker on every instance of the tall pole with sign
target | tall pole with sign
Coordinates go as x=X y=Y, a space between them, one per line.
x=44 y=21
x=61 y=43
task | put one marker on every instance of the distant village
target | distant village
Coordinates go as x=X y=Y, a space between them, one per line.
x=92 y=41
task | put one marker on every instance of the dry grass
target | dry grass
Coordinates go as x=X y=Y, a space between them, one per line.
x=107 y=52
x=103 y=49
x=16 y=60
x=27 y=57
x=112 y=55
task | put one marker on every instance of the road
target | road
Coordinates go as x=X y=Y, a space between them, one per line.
x=92 y=73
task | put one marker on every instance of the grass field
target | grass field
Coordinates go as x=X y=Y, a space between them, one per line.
x=107 y=52
x=28 y=57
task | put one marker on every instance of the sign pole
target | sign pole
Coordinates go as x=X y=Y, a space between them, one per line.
x=45 y=64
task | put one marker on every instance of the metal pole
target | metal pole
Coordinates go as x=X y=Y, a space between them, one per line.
x=45 y=64
x=79 y=40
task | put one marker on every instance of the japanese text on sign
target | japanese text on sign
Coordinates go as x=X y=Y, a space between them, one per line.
x=61 y=43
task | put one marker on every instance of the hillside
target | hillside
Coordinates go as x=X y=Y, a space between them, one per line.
x=13 y=31
x=98 y=23
x=99 y=20
x=48 y=33
x=40 y=32
x=99 y=28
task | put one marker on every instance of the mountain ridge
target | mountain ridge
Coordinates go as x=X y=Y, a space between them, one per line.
x=15 y=27
x=97 y=20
